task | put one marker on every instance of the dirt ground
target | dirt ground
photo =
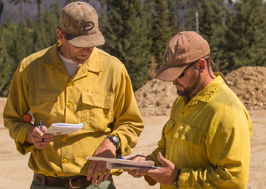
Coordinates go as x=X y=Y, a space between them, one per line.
x=154 y=100
x=16 y=174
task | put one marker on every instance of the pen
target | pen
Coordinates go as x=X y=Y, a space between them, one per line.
x=41 y=130
x=119 y=157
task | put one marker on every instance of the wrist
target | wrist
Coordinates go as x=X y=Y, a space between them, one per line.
x=176 y=181
x=29 y=139
x=115 y=140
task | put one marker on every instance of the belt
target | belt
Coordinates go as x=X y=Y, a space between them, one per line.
x=74 y=182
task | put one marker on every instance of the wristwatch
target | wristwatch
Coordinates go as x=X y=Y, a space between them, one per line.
x=115 y=140
x=176 y=181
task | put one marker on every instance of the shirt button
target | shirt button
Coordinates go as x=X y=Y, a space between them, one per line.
x=64 y=160
x=167 y=156
x=69 y=104
x=64 y=139
x=69 y=84
x=182 y=114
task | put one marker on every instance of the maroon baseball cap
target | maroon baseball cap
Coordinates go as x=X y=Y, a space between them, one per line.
x=184 y=48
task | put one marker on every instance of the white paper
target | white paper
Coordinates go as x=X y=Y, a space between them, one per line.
x=63 y=128
x=113 y=163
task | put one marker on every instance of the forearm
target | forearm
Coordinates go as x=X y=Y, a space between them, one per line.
x=128 y=122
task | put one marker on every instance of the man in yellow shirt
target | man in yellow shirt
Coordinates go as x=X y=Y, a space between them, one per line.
x=73 y=82
x=206 y=141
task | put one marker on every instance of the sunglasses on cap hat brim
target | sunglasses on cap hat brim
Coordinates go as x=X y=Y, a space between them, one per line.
x=183 y=73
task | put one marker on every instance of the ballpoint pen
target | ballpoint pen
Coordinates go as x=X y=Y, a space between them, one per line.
x=119 y=157
x=41 y=130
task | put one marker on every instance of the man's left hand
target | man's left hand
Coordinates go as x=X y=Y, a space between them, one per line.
x=108 y=150
x=166 y=174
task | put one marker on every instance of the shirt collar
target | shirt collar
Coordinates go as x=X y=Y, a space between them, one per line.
x=210 y=90
x=93 y=64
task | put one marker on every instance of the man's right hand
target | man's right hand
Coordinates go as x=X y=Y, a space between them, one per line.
x=35 y=136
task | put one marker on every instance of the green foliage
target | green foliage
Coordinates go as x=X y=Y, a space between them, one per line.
x=17 y=42
x=125 y=33
x=245 y=36
x=55 y=9
x=173 y=18
x=161 y=31
x=212 y=28
x=137 y=32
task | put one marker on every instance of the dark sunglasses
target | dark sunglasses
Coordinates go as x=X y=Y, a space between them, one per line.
x=183 y=73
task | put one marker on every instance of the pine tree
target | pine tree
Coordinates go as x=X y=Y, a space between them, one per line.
x=125 y=30
x=55 y=9
x=50 y=24
x=40 y=39
x=246 y=37
x=23 y=39
x=173 y=17
x=39 y=7
x=161 y=32
x=212 y=28
x=20 y=2
x=30 y=23
x=5 y=60
x=10 y=55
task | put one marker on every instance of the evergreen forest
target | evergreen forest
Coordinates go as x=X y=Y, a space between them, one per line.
x=137 y=32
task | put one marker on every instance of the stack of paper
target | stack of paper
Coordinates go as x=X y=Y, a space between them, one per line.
x=63 y=128
x=112 y=163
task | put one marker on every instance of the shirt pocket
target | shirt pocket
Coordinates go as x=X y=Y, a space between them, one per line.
x=97 y=112
x=43 y=103
x=190 y=134
x=167 y=130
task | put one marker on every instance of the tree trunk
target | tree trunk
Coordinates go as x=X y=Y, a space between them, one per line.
x=39 y=10
x=197 y=17
x=21 y=10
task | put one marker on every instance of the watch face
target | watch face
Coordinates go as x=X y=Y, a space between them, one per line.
x=116 y=139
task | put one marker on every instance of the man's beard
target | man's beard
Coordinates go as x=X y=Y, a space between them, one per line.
x=77 y=60
x=73 y=57
x=190 y=89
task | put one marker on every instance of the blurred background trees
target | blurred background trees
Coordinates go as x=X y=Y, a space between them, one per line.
x=137 y=31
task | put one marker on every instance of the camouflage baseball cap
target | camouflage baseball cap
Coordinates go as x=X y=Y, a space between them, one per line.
x=79 y=23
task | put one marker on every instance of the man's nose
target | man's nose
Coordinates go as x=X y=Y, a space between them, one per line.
x=175 y=81
x=86 y=50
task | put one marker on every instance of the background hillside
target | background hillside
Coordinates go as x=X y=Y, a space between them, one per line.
x=12 y=11
x=137 y=32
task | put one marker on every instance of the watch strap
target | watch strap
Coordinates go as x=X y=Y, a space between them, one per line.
x=176 y=182
x=115 y=140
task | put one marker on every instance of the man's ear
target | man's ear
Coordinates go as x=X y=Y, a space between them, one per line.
x=202 y=65
x=60 y=34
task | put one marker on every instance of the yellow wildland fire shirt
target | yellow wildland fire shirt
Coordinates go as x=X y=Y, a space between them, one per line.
x=99 y=95
x=208 y=138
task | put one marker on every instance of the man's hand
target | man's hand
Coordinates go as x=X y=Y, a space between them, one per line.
x=166 y=174
x=137 y=158
x=108 y=150
x=35 y=136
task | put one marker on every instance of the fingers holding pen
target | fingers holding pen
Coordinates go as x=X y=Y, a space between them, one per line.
x=41 y=139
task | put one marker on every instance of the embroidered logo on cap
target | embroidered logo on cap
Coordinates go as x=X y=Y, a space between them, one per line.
x=87 y=26
x=166 y=57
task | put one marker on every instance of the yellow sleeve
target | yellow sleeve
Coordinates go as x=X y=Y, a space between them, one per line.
x=16 y=106
x=128 y=123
